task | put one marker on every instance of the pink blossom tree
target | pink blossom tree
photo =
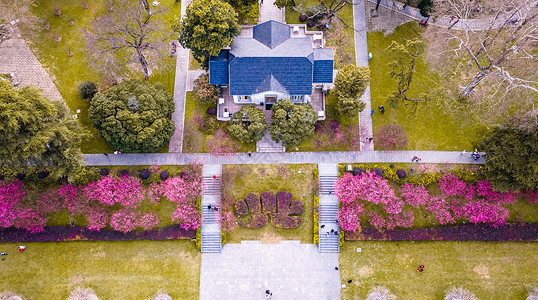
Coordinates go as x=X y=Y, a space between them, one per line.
x=415 y=195
x=12 y=194
x=187 y=216
x=481 y=211
x=124 y=220
x=31 y=219
x=127 y=191
x=148 y=221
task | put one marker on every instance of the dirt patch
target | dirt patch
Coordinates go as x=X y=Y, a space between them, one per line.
x=270 y=238
x=482 y=271
x=366 y=271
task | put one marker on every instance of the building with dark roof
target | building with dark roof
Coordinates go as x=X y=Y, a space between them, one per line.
x=269 y=62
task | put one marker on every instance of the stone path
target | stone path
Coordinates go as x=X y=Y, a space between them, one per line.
x=329 y=240
x=148 y=159
x=211 y=237
x=290 y=270
x=269 y=11
x=361 y=59
x=192 y=75
x=180 y=90
x=16 y=57
x=266 y=144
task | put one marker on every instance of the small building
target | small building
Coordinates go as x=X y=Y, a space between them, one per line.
x=269 y=62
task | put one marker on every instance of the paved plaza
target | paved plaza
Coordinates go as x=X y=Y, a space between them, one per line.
x=290 y=270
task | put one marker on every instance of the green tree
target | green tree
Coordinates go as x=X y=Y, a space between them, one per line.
x=134 y=116
x=204 y=92
x=350 y=83
x=36 y=132
x=208 y=26
x=512 y=158
x=292 y=123
x=248 y=124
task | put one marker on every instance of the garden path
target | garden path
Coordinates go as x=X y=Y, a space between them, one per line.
x=210 y=232
x=16 y=57
x=269 y=11
x=291 y=270
x=180 y=91
x=328 y=209
x=147 y=159
x=361 y=59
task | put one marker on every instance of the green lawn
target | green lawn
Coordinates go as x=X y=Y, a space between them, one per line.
x=490 y=270
x=196 y=141
x=428 y=126
x=239 y=180
x=338 y=37
x=114 y=270
x=67 y=72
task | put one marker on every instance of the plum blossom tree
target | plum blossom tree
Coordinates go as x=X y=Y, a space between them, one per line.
x=109 y=190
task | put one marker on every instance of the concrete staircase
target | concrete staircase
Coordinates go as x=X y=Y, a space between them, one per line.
x=329 y=240
x=266 y=144
x=211 y=183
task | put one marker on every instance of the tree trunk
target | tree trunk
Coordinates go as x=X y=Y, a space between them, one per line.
x=376 y=6
x=143 y=63
x=468 y=90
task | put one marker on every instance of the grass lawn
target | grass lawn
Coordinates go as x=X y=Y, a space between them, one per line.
x=196 y=141
x=67 y=72
x=490 y=270
x=114 y=270
x=338 y=37
x=239 y=180
x=428 y=126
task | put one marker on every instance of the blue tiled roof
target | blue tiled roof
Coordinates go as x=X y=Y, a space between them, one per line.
x=271 y=33
x=218 y=68
x=323 y=65
x=294 y=74
x=271 y=84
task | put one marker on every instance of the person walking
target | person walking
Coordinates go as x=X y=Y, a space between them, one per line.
x=249 y=154
x=381 y=109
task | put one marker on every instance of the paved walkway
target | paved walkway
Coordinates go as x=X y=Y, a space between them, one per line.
x=361 y=59
x=180 y=90
x=149 y=159
x=290 y=270
x=269 y=11
x=16 y=57
x=211 y=235
x=329 y=239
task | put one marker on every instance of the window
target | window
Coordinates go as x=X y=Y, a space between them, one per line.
x=296 y=97
x=244 y=98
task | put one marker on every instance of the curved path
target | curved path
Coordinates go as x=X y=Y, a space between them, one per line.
x=148 y=159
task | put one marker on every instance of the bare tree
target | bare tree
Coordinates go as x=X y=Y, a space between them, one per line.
x=128 y=33
x=502 y=50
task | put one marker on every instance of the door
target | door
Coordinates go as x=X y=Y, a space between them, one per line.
x=269 y=101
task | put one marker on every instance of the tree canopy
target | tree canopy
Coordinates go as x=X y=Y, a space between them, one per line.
x=134 y=116
x=292 y=123
x=36 y=132
x=208 y=26
x=248 y=124
x=512 y=158
x=204 y=92
x=350 y=83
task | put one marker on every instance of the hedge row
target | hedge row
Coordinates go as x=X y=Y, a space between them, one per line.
x=80 y=233
x=481 y=232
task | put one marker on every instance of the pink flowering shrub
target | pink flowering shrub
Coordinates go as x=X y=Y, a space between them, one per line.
x=415 y=195
x=179 y=190
x=228 y=220
x=440 y=207
x=148 y=221
x=481 y=211
x=483 y=189
x=31 y=219
x=187 y=216
x=377 y=220
x=367 y=187
x=531 y=196
x=97 y=218
x=451 y=185
x=56 y=200
x=348 y=217
x=127 y=191
x=154 y=193
x=12 y=194
x=124 y=220
x=404 y=219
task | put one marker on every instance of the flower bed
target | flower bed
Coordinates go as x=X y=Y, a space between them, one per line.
x=471 y=232
x=76 y=233
x=259 y=213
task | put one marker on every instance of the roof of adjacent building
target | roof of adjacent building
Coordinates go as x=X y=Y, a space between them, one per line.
x=272 y=61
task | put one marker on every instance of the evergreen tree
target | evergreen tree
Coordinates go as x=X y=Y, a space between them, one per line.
x=248 y=124
x=292 y=123
x=350 y=83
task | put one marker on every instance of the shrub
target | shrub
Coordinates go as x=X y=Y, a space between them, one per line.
x=401 y=174
x=21 y=176
x=377 y=172
x=241 y=208
x=148 y=221
x=282 y=219
x=317 y=126
x=187 y=216
x=164 y=175
x=303 y=18
x=357 y=171
x=81 y=293
x=212 y=111
x=31 y=219
x=391 y=137
x=124 y=173
x=459 y=294
x=87 y=89
x=204 y=92
x=145 y=174
x=104 y=172
x=127 y=191
x=42 y=175
x=97 y=218
x=124 y=220
x=310 y=23
x=268 y=202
